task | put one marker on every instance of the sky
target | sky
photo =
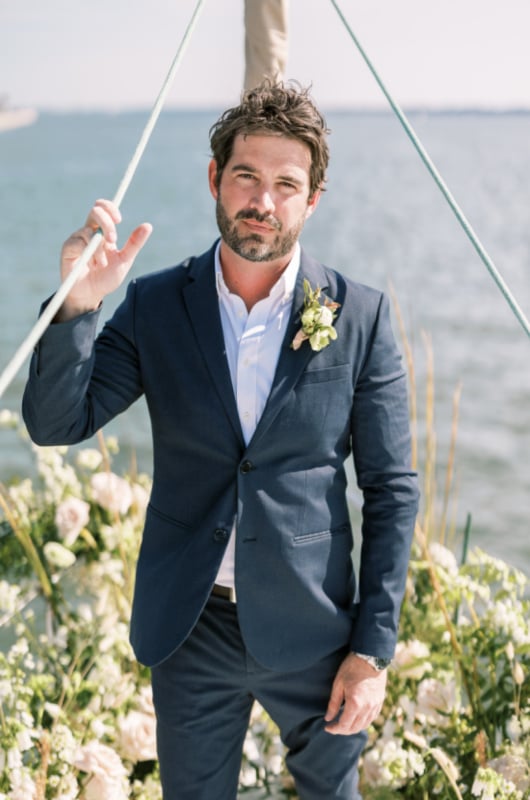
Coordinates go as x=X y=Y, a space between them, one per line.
x=114 y=54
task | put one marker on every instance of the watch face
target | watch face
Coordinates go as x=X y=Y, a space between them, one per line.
x=382 y=663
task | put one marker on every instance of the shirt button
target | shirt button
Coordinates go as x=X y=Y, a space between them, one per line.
x=220 y=534
x=246 y=467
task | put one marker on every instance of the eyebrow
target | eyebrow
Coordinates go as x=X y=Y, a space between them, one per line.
x=247 y=168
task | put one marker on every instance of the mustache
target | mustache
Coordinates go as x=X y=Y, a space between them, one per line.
x=268 y=219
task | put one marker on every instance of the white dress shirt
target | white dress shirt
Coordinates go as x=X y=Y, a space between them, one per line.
x=252 y=343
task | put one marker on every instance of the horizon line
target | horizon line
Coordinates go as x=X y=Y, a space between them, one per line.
x=332 y=108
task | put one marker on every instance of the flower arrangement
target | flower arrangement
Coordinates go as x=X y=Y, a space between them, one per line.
x=77 y=718
x=76 y=710
x=76 y=713
x=456 y=723
x=317 y=320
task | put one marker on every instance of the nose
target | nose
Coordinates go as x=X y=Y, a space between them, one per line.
x=263 y=201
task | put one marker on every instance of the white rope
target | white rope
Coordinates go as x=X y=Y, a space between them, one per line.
x=475 y=241
x=57 y=300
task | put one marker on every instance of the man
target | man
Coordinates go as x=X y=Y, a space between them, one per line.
x=262 y=370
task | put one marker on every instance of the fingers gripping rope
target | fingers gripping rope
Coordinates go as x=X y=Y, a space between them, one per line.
x=57 y=300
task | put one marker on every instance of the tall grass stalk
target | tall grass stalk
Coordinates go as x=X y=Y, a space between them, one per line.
x=431 y=526
x=27 y=544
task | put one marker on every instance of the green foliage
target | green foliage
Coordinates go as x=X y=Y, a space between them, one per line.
x=458 y=695
x=76 y=714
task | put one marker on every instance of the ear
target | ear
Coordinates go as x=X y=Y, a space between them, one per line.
x=212 y=178
x=312 y=203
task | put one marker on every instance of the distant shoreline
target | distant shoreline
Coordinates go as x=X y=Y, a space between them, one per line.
x=365 y=110
x=13 y=118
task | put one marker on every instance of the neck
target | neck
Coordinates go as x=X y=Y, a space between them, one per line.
x=251 y=281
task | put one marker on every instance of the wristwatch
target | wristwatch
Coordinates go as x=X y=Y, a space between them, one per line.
x=377 y=663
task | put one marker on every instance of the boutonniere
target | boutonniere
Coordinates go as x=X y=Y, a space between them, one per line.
x=316 y=319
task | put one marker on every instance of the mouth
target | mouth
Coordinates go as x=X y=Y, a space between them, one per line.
x=258 y=223
x=258 y=227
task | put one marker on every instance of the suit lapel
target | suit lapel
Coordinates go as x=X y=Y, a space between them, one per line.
x=291 y=363
x=202 y=303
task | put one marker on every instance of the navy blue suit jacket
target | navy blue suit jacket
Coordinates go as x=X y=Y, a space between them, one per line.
x=287 y=488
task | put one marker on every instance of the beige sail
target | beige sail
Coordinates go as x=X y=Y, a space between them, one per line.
x=265 y=40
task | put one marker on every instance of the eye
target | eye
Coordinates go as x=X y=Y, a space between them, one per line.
x=288 y=186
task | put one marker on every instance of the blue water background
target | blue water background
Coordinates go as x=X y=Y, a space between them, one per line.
x=382 y=220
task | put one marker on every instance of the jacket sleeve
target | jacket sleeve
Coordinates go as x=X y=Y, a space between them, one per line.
x=77 y=383
x=382 y=458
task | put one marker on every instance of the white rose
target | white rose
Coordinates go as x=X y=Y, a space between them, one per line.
x=111 y=492
x=318 y=340
x=251 y=749
x=110 y=535
x=108 y=776
x=58 y=556
x=67 y=787
x=434 y=697
x=514 y=768
x=89 y=458
x=71 y=517
x=99 y=728
x=145 y=700
x=9 y=596
x=443 y=557
x=14 y=759
x=24 y=740
x=389 y=764
x=372 y=766
x=137 y=736
x=410 y=659
x=22 y=785
x=325 y=316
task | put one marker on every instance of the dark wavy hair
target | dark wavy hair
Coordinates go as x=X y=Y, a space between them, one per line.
x=274 y=108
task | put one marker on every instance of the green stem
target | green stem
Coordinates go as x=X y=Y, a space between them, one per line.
x=27 y=544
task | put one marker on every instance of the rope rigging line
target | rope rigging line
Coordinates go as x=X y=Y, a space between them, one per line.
x=495 y=274
x=58 y=298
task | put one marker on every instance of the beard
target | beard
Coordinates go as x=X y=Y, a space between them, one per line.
x=252 y=246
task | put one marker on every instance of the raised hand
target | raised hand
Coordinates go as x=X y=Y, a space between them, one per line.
x=107 y=268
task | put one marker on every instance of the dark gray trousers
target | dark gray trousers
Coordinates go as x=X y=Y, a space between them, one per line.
x=203 y=695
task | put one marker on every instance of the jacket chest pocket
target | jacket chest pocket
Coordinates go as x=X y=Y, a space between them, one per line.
x=320 y=404
x=327 y=375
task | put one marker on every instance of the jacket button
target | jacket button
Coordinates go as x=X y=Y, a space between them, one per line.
x=220 y=534
x=246 y=467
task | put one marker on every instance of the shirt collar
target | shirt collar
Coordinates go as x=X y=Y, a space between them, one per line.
x=284 y=286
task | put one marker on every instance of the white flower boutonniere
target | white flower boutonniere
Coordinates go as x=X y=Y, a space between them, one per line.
x=316 y=319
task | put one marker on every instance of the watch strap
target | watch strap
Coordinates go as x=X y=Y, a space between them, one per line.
x=377 y=663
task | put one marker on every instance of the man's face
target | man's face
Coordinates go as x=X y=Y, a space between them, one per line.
x=262 y=201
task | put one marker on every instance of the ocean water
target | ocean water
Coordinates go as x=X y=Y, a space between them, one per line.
x=381 y=221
